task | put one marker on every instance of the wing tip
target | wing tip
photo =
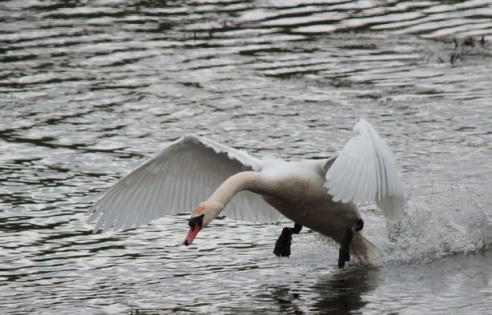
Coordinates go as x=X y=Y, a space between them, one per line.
x=392 y=207
x=361 y=122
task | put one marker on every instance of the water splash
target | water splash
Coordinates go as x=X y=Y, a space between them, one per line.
x=448 y=220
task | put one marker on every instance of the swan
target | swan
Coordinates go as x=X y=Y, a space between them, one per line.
x=321 y=195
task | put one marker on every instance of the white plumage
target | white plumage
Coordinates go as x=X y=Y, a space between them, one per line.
x=365 y=172
x=177 y=179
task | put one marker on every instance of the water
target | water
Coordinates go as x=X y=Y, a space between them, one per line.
x=90 y=89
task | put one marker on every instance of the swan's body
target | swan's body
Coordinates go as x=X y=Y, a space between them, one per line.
x=318 y=194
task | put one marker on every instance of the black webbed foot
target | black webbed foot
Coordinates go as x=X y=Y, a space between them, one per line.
x=282 y=245
x=344 y=254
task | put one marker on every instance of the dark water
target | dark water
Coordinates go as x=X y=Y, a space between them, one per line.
x=88 y=89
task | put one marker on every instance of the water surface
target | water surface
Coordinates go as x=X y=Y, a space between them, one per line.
x=88 y=90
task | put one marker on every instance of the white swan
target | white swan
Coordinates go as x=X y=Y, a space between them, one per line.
x=319 y=194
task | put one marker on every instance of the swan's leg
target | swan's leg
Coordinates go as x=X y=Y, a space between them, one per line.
x=344 y=254
x=282 y=245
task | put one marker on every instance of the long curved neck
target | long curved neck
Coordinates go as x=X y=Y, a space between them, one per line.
x=253 y=181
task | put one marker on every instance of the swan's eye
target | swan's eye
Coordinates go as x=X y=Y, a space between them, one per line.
x=196 y=220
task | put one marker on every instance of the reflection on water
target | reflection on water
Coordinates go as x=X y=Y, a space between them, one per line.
x=337 y=292
x=88 y=90
x=343 y=293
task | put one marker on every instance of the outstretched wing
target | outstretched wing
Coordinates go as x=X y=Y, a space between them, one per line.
x=177 y=179
x=365 y=171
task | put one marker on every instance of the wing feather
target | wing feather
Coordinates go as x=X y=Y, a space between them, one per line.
x=365 y=172
x=177 y=178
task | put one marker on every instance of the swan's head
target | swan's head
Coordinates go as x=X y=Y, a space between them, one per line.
x=200 y=218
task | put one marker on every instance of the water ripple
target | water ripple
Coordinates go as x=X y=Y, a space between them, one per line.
x=87 y=91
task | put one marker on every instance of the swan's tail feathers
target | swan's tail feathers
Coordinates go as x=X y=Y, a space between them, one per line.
x=364 y=250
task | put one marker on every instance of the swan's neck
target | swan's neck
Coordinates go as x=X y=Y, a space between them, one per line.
x=253 y=181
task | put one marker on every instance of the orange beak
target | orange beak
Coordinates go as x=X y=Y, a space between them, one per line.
x=195 y=224
x=194 y=229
